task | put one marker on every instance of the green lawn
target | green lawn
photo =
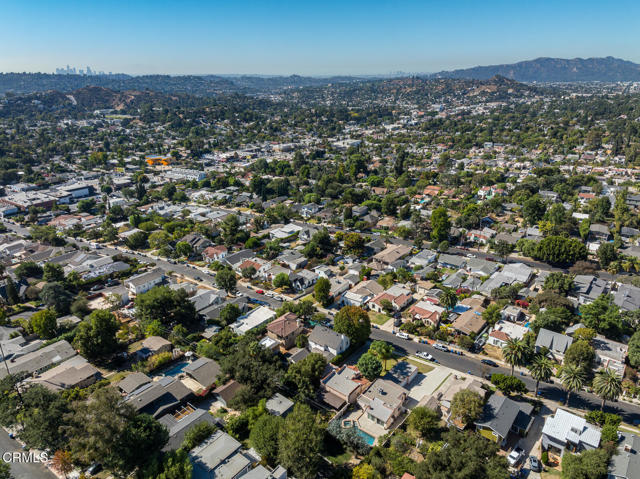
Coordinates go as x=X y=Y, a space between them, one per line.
x=390 y=363
x=378 y=318
x=550 y=474
x=341 y=459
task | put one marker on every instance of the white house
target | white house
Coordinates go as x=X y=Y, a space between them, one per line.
x=142 y=283
x=326 y=341
x=253 y=319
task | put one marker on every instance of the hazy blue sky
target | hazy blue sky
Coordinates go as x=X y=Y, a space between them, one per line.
x=308 y=37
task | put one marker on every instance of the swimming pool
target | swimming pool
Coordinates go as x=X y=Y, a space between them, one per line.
x=369 y=439
x=175 y=370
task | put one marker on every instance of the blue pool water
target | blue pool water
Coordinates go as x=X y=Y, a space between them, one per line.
x=368 y=438
x=175 y=369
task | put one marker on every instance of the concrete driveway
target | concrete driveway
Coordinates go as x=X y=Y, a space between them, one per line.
x=426 y=384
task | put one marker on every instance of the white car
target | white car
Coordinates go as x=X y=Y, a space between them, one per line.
x=471 y=255
x=425 y=355
x=402 y=335
x=514 y=456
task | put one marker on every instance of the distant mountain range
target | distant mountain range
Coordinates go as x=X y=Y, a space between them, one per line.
x=607 y=69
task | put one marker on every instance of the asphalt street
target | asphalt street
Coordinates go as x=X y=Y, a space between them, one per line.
x=470 y=365
x=22 y=470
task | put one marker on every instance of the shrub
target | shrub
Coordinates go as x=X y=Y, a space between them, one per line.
x=545 y=458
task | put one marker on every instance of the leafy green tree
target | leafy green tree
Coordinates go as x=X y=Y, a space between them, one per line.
x=321 y=291
x=44 y=323
x=95 y=427
x=558 y=282
x=42 y=416
x=229 y=313
x=370 y=366
x=305 y=375
x=353 y=322
x=197 y=434
x=440 y=225
x=230 y=229
x=28 y=269
x=581 y=354
x=508 y=384
x=554 y=318
x=281 y=281
x=96 y=336
x=607 y=254
x=248 y=272
x=320 y=246
x=159 y=239
x=5 y=470
x=142 y=438
x=503 y=248
x=466 y=406
x=541 y=369
x=586 y=465
x=12 y=291
x=55 y=296
x=137 y=240
x=264 y=437
x=449 y=298
x=300 y=443
x=258 y=369
x=183 y=249
x=424 y=420
x=466 y=456
x=166 y=305
x=492 y=314
x=354 y=243
x=154 y=328
x=53 y=272
x=226 y=279
x=533 y=210
x=603 y=315
x=560 y=250
x=608 y=385
x=382 y=350
x=515 y=353
x=573 y=378
x=634 y=350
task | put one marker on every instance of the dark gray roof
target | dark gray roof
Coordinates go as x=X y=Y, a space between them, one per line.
x=626 y=463
x=133 y=381
x=501 y=413
x=203 y=370
x=553 y=341
x=178 y=427
x=326 y=337
x=159 y=397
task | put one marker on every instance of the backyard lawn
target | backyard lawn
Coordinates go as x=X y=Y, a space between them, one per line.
x=390 y=363
x=378 y=318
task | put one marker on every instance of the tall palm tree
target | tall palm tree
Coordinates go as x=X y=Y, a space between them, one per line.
x=515 y=353
x=607 y=385
x=573 y=378
x=449 y=299
x=541 y=370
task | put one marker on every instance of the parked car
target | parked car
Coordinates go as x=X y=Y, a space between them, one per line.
x=94 y=469
x=259 y=291
x=514 y=456
x=534 y=464
x=489 y=362
x=402 y=335
x=441 y=347
x=97 y=287
x=425 y=355
x=471 y=255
